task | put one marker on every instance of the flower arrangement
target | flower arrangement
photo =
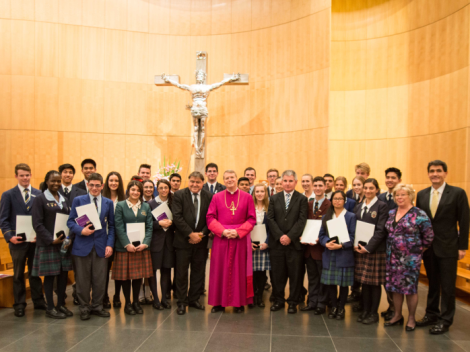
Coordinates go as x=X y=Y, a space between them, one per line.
x=166 y=169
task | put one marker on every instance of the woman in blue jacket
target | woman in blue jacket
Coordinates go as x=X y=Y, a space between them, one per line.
x=338 y=259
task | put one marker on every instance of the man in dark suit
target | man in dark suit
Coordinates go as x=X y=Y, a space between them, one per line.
x=92 y=248
x=447 y=207
x=287 y=216
x=272 y=175
x=250 y=174
x=19 y=201
x=190 y=206
x=69 y=191
x=88 y=168
x=392 y=178
x=212 y=171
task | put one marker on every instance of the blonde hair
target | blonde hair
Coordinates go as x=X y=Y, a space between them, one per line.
x=360 y=178
x=402 y=187
x=266 y=199
x=364 y=167
x=229 y=172
x=342 y=178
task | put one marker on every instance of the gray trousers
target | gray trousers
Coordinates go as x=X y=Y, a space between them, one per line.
x=90 y=273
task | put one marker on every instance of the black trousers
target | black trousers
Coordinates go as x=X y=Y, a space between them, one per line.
x=196 y=258
x=287 y=264
x=259 y=281
x=204 y=280
x=317 y=294
x=22 y=257
x=442 y=274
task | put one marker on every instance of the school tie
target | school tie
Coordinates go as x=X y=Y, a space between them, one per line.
x=364 y=213
x=287 y=200
x=272 y=192
x=434 y=202
x=26 y=196
x=96 y=203
x=389 y=197
x=316 y=208
x=66 y=191
x=196 y=203
x=212 y=189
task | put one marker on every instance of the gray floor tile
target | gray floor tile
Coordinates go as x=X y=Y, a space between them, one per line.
x=357 y=344
x=250 y=322
x=175 y=341
x=301 y=344
x=302 y=324
x=238 y=343
x=193 y=320
x=399 y=332
x=349 y=327
x=412 y=345
x=11 y=331
x=464 y=344
x=150 y=320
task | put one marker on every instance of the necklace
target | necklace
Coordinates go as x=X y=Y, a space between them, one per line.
x=232 y=205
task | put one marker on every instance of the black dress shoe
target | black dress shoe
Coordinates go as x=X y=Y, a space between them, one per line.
x=216 y=309
x=64 y=310
x=168 y=295
x=137 y=308
x=261 y=303
x=129 y=310
x=308 y=308
x=197 y=305
x=277 y=306
x=239 y=309
x=386 y=312
x=400 y=321
x=101 y=313
x=40 y=307
x=76 y=302
x=267 y=286
x=426 y=321
x=354 y=297
x=410 y=328
x=19 y=312
x=332 y=314
x=439 y=329
x=166 y=305
x=292 y=309
x=362 y=317
x=371 y=319
x=358 y=307
x=55 y=314
x=157 y=306
x=181 y=310
x=319 y=311
x=85 y=315
x=116 y=302
x=340 y=314
x=251 y=305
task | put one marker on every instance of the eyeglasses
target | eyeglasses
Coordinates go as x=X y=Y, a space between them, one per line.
x=338 y=199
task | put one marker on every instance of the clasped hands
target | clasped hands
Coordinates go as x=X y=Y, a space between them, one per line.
x=360 y=249
x=230 y=234
x=165 y=223
x=285 y=240
x=132 y=249
x=332 y=246
x=195 y=237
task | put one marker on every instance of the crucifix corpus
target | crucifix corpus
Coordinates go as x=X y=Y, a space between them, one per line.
x=199 y=93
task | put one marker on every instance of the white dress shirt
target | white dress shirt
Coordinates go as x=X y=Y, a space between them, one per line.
x=372 y=202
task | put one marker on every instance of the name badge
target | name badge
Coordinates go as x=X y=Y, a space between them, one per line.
x=144 y=213
x=105 y=219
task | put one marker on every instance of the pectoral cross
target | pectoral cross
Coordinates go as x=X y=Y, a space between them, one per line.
x=232 y=208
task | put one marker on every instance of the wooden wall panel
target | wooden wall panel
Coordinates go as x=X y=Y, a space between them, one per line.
x=5 y=47
x=46 y=10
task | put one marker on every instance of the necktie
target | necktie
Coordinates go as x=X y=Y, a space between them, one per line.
x=364 y=213
x=272 y=192
x=389 y=197
x=26 y=195
x=196 y=203
x=316 y=208
x=287 y=200
x=434 y=202
x=96 y=203
x=212 y=189
x=66 y=191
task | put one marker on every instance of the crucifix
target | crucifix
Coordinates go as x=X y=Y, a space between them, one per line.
x=199 y=93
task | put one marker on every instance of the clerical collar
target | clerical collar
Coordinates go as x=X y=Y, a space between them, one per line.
x=233 y=191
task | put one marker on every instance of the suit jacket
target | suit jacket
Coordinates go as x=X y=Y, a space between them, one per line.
x=81 y=185
x=159 y=235
x=344 y=256
x=350 y=194
x=12 y=204
x=376 y=215
x=184 y=218
x=453 y=210
x=350 y=204
x=290 y=222
x=100 y=239
x=75 y=192
x=390 y=203
x=44 y=214
x=316 y=250
x=218 y=187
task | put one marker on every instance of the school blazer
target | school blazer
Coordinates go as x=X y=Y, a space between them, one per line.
x=12 y=204
x=377 y=215
x=159 y=235
x=350 y=204
x=74 y=193
x=391 y=204
x=344 y=256
x=124 y=215
x=218 y=187
x=100 y=239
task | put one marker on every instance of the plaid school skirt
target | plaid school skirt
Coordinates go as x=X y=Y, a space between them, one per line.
x=261 y=261
x=370 y=268
x=48 y=261
x=337 y=276
x=132 y=266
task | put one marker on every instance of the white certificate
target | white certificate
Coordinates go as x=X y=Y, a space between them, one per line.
x=90 y=211
x=311 y=231
x=61 y=224
x=136 y=231
x=160 y=210
x=24 y=224
x=364 y=232
x=338 y=228
x=258 y=234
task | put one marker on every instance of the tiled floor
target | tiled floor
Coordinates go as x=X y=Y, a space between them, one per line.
x=255 y=330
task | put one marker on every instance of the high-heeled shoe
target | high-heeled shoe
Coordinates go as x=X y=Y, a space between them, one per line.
x=400 y=321
x=409 y=328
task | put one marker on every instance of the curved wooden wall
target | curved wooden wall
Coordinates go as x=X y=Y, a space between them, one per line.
x=399 y=87
x=76 y=81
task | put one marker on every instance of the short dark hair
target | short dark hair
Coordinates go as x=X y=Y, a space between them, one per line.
x=175 y=175
x=139 y=186
x=328 y=175
x=395 y=170
x=241 y=179
x=249 y=169
x=88 y=161
x=66 y=166
x=196 y=174
x=145 y=166
x=373 y=181
x=438 y=163
x=214 y=165
x=95 y=177
x=49 y=174
x=319 y=179
x=22 y=166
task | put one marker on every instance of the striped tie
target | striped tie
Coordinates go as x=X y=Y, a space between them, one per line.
x=26 y=195
x=287 y=200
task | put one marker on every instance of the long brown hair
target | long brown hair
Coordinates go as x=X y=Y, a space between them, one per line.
x=120 y=190
x=266 y=198
x=170 y=195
